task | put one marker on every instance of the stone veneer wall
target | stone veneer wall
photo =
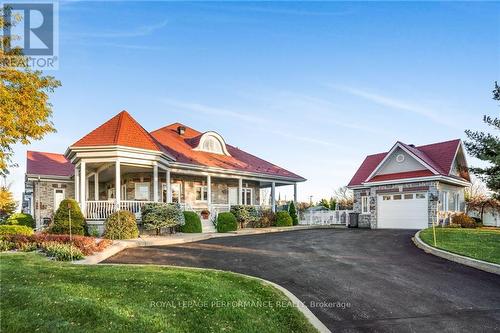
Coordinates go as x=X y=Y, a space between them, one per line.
x=370 y=220
x=43 y=197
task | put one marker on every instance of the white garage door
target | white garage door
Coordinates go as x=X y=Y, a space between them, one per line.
x=402 y=211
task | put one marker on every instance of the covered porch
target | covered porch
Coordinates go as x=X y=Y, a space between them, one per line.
x=103 y=187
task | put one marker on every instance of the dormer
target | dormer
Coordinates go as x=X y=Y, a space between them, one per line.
x=211 y=142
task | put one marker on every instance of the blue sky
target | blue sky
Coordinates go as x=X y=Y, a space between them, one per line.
x=312 y=87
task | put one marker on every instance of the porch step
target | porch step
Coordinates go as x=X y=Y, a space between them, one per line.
x=207 y=226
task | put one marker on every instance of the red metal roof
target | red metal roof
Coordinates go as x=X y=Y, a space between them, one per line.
x=121 y=130
x=181 y=148
x=439 y=156
x=49 y=164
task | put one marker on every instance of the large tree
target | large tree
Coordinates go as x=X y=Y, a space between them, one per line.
x=486 y=147
x=25 y=111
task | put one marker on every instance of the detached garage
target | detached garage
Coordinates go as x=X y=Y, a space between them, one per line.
x=402 y=211
x=410 y=187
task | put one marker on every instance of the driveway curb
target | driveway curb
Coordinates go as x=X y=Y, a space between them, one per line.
x=318 y=325
x=475 y=263
x=180 y=238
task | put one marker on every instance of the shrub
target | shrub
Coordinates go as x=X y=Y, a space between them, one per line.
x=92 y=231
x=283 y=219
x=226 y=221
x=156 y=216
x=5 y=245
x=453 y=225
x=464 y=220
x=27 y=247
x=247 y=216
x=21 y=219
x=62 y=252
x=121 y=225
x=293 y=213
x=192 y=223
x=15 y=229
x=61 y=219
x=267 y=219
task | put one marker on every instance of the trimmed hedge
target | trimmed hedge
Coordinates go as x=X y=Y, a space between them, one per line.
x=283 y=219
x=61 y=219
x=226 y=221
x=15 y=230
x=121 y=225
x=192 y=223
x=21 y=219
x=293 y=213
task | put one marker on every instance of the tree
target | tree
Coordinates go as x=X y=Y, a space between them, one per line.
x=293 y=213
x=333 y=203
x=344 y=197
x=68 y=217
x=7 y=203
x=25 y=111
x=324 y=203
x=486 y=147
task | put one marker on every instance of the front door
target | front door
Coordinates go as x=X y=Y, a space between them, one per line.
x=176 y=192
x=58 y=197
x=233 y=196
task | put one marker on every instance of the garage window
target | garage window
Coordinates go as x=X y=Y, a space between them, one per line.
x=386 y=197
x=408 y=196
x=419 y=196
x=365 y=205
x=397 y=197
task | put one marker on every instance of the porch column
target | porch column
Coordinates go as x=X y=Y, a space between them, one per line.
x=273 y=196
x=77 y=185
x=169 y=187
x=117 y=184
x=96 y=186
x=83 y=182
x=209 y=190
x=240 y=189
x=155 y=183
x=295 y=192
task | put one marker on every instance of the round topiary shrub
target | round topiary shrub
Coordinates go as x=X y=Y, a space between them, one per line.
x=15 y=230
x=61 y=219
x=226 y=221
x=283 y=219
x=192 y=223
x=21 y=219
x=121 y=225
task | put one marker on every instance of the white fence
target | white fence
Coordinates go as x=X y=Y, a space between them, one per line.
x=100 y=210
x=325 y=217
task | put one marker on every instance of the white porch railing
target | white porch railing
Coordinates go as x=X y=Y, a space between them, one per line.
x=326 y=217
x=99 y=210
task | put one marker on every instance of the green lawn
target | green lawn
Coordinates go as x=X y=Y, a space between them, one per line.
x=39 y=295
x=475 y=243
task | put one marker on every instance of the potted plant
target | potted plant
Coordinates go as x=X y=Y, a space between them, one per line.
x=205 y=213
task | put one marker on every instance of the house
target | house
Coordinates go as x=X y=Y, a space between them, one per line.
x=120 y=165
x=411 y=187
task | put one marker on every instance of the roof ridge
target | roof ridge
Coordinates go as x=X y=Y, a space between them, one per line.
x=119 y=129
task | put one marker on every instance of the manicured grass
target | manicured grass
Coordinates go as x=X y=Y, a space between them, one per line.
x=39 y=295
x=483 y=244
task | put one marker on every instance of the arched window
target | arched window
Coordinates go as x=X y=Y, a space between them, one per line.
x=212 y=145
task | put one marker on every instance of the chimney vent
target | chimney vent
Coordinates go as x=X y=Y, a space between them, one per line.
x=411 y=145
x=181 y=130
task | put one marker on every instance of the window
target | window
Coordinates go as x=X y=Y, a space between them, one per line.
x=176 y=189
x=444 y=201
x=141 y=191
x=420 y=196
x=408 y=196
x=386 y=197
x=457 y=203
x=397 y=197
x=365 y=205
x=201 y=193
x=212 y=145
x=58 y=197
x=247 y=196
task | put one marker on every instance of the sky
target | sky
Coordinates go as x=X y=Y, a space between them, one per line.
x=312 y=87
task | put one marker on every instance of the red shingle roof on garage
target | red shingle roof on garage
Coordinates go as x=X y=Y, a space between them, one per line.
x=49 y=164
x=439 y=156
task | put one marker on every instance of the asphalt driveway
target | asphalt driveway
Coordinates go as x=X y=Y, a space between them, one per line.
x=352 y=280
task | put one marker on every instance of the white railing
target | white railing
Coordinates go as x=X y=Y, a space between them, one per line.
x=133 y=206
x=99 y=210
x=326 y=217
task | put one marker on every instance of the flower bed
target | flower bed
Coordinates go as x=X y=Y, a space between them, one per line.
x=57 y=246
